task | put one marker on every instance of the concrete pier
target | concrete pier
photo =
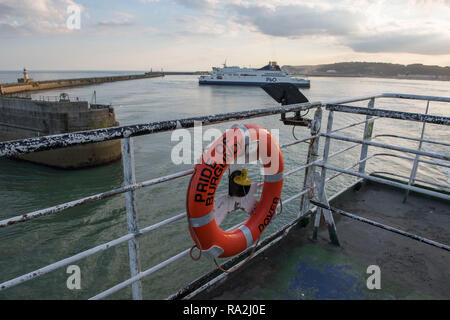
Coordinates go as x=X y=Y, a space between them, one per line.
x=11 y=88
x=26 y=118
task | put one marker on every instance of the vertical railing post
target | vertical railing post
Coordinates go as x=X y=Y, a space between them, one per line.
x=313 y=153
x=130 y=198
x=415 y=166
x=322 y=196
x=368 y=130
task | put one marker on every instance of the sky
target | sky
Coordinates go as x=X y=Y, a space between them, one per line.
x=193 y=35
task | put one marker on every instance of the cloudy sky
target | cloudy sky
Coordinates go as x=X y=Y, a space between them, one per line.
x=198 y=34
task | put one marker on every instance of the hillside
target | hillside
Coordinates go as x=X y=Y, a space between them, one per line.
x=373 y=69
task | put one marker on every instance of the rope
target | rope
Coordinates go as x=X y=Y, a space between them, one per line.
x=281 y=208
x=192 y=256
x=293 y=133
x=246 y=260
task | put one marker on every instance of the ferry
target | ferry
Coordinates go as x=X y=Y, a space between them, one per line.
x=271 y=73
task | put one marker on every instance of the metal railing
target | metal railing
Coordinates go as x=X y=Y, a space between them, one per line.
x=313 y=187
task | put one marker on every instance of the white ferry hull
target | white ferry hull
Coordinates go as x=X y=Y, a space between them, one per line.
x=299 y=84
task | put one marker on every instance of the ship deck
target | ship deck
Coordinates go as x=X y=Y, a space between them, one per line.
x=298 y=268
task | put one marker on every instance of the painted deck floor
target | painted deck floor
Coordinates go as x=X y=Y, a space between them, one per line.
x=297 y=268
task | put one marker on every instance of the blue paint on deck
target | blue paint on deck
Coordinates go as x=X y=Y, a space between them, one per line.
x=327 y=281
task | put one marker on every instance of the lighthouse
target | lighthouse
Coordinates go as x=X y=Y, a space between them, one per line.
x=25 y=78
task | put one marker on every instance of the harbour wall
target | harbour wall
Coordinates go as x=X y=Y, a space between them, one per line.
x=26 y=118
x=11 y=88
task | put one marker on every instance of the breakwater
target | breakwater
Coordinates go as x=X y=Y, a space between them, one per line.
x=12 y=88
x=26 y=118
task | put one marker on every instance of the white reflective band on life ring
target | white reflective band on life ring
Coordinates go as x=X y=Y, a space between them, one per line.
x=273 y=177
x=202 y=221
x=248 y=234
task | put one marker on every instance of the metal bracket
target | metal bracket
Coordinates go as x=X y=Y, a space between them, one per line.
x=296 y=120
x=286 y=94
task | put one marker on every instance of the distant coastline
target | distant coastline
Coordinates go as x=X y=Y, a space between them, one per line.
x=369 y=76
x=373 y=70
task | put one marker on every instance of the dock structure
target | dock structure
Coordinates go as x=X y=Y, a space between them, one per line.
x=22 y=118
x=25 y=84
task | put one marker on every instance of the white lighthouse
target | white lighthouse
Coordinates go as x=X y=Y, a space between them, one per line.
x=25 y=78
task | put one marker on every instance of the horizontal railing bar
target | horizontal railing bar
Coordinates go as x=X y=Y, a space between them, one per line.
x=348 y=168
x=412 y=159
x=382 y=226
x=18 y=147
x=387 y=146
x=410 y=138
x=385 y=172
x=407 y=178
x=384 y=113
x=318 y=135
x=298 y=141
x=295 y=196
x=414 y=97
x=353 y=125
x=86 y=253
x=351 y=100
x=64 y=262
x=389 y=182
x=96 y=197
x=140 y=276
x=292 y=171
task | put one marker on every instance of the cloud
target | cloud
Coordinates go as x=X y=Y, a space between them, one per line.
x=296 y=20
x=426 y=44
x=197 y=4
x=418 y=27
x=121 y=19
x=200 y=26
x=26 y=17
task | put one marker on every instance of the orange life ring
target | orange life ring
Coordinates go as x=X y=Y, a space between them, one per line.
x=204 y=182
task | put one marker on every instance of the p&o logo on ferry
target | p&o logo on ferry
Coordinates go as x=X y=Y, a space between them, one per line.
x=271 y=79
